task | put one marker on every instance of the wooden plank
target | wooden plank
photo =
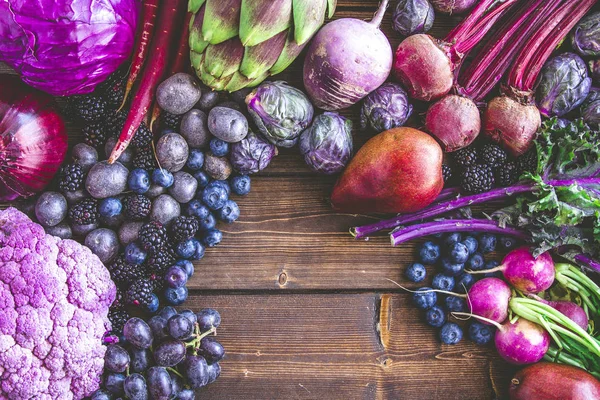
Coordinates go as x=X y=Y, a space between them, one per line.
x=330 y=347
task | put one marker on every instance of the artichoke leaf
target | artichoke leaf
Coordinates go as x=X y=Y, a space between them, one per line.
x=309 y=15
x=197 y=43
x=260 y=58
x=221 y=20
x=194 y=5
x=224 y=58
x=212 y=81
x=331 y=5
x=290 y=51
x=239 y=81
x=262 y=19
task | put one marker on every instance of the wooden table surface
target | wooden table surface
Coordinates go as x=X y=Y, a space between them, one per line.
x=308 y=312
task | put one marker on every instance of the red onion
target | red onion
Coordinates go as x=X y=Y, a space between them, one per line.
x=33 y=139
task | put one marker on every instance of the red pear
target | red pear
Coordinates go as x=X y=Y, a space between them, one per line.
x=397 y=171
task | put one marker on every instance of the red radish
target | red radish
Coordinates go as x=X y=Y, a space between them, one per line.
x=153 y=72
x=522 y=342
x=454 y=130
x=568 y=308
x=149 y=12
x=524 y=272
x=425 y=65
x=513 y=119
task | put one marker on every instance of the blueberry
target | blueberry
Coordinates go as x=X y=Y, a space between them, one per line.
x=223 y=184
x=154 y=303
x=424 y=301
x=455 y=304
x=187 y=266
x=452 y=238
x=110 y=207
x=416 y=272
x=507 y=242
x=138 y=181
x=176 y=296
x=219 y=147
x=229 y=212
x=458 y=253
x=186 y=249
x=214 y=197
x=471 y=244
x=464 y=282
x=208 y=223
x=450 y=268
x=451 y=333
x=435 y=317
x=240 y=185
x=162 y=177
x=198 y=252
x=195 y=160
x=195 y=208
x=475 y=262
x=487 y=243
x=443 y=282
x=134 y=254
x=176 y=277
x=212 y=237
x=429 y=252
x=202 y=178
x=480 y=333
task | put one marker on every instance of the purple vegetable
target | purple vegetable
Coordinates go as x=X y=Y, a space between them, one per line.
x=563 y=85
x=385 y=108
x=453 y=6
x=585 y=37
x=412 y=16
x=327 y=144
x=522 y=342
x=489 y=298
x=590 y=109
x=252 y=154
x=66 y=47
x=595 y=70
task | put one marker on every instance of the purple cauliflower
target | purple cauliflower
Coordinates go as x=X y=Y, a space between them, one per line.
x=54 y=300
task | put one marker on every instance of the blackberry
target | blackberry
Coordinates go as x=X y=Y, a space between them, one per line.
x=119 y=303
x=507 y=175
x=113 y=89
x=528 y=162
x=152 y=237
x=140 y=292
x=466 y=157
x=447 y=173
x=137 y=206
x=160 y=262
x=90 y=108
x=158 y=282
x=142 y=137
x=94 y=134
x=70 y=178
x=477 y=178
x=114 y=124
x=123 y=273
x=170 y=121
x=144 y=159
x=85 y=212
x=184 y=228
x=117 y=320
x=493 y=155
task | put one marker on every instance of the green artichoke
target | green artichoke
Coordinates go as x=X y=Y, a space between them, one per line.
x=239 y=43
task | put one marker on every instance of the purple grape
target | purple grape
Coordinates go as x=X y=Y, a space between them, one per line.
x=159 y=383
x=176 y=277
x=214 y=371
x=176 y=384
x=195 y=369
x=169 y=353
x=189 y=314
x=167 y=312
x=211 y=350
x=180 y=327
x=114 y=383
x=135 y=387
x=208 y=319
x=116 y=358
x=158 y=326
x=138 y=333
x=141 y=359
x=186 y=394
x=101 y=395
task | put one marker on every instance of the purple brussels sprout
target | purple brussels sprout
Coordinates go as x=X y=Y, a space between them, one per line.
x=590 y=109
x=281 y=112
x=412 y=16
x=563 y=85
x=252 y=154
x=327 y=144
x=385 y=108
x=595 y=70
x=585 y=37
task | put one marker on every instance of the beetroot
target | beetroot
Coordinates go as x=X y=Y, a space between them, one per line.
x=454 y=121
x=342 y=68
x=521 y=342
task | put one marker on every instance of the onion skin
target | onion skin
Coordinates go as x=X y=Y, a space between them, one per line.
x=33 y=139
x=454 y=121
x=551 y=381
x=412 y=56
x=511 y=124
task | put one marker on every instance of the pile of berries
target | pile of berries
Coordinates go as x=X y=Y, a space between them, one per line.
x=451 y=255
x=166 y=357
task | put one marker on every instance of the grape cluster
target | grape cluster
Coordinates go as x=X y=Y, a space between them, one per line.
x=167 y=357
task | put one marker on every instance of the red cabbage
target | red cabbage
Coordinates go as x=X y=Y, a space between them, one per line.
x=66 y=47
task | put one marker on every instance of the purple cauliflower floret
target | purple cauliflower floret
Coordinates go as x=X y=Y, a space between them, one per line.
x=54 y=300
